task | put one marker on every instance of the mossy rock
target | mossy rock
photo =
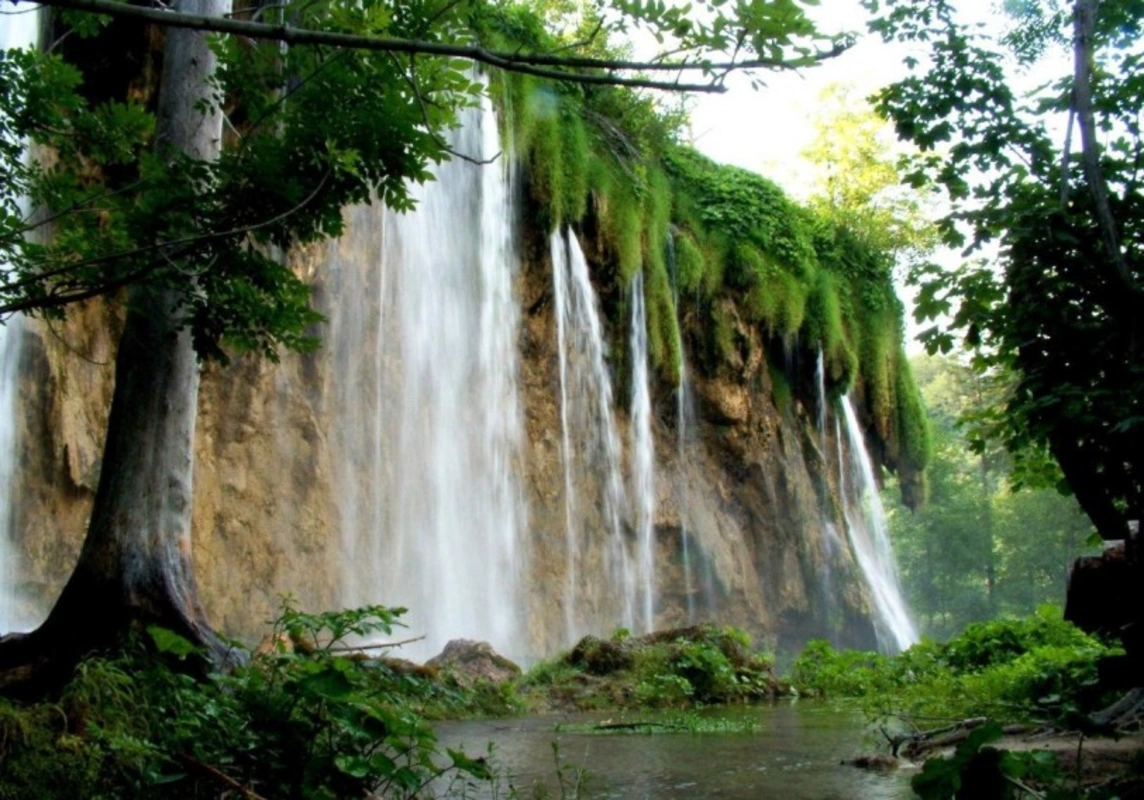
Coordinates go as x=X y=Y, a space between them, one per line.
x=728 y=641
x=601 y=656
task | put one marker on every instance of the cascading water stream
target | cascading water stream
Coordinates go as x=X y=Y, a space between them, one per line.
x=558 y=251
x=685 y=427
x=643 y=456
x=11 y=619
x=684 y=423
x=869 y=538
x=831 y=542
x=18 y=31
x=820 y=384
x=592 y=476
x=432 y=510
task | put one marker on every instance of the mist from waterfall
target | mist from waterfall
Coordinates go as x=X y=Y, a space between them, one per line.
x=19 y=30
x=432 y=511
x=595 y=500
x=643 y=456
x=869 y=538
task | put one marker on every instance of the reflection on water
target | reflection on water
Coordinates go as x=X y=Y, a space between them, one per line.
x=794 y=753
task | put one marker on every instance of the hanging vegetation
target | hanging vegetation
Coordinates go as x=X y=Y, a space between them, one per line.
x=610 y=160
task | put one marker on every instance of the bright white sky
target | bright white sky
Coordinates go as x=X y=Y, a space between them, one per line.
x=765 y=130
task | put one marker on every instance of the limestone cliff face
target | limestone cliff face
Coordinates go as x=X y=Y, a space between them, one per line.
x=749 y=490
x=748 y=499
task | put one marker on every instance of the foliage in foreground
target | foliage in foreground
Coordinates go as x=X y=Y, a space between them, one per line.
x=1009 y=668
x=681 y=668
x=978 y=770
x=309 y=722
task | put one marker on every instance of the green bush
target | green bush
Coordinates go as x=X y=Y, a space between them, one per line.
x=686 y=667
x=1014 y=668
x=312 y=721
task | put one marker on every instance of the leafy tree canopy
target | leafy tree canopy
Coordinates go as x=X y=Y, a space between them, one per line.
x=314 y=125
x=1063 y=308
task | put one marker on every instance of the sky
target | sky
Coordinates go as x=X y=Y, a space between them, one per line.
x=765 y=130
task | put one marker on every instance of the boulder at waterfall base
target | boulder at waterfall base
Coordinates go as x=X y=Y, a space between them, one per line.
x=470 y=662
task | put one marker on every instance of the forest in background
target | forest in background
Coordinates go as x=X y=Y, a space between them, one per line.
x=980 y=548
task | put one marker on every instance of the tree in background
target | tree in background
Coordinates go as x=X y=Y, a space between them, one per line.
x=980 y=548
x=857 y=177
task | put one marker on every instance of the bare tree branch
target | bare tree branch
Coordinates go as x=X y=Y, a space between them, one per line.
x=527 y=63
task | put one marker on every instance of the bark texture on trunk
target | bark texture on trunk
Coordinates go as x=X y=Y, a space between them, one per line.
x=135 y=564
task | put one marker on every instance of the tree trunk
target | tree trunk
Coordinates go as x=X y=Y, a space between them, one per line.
x=1084 y=27
x=135 y=565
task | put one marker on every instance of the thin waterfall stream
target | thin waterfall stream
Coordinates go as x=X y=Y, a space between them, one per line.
x=869 y=538
x=595 y=498
x=685 y=424
x=685 y=427
x=643 y=457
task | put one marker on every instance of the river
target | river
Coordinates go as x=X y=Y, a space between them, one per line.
x=791 y=751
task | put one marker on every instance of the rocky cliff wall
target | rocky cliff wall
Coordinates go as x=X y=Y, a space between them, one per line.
x=749 y=492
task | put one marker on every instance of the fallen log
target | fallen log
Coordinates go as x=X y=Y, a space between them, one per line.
x=913 y=745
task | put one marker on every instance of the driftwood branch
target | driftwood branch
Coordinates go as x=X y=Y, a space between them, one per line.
x=355 y=649
x=911 y=745
x=635 y=726
x=1023 y=787
x=541 y=65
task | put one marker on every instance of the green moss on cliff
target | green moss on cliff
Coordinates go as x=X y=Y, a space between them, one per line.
x=689 y=264
x=805 y=281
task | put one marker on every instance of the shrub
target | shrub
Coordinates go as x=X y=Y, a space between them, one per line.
x=1015 y=668
x=315 y=721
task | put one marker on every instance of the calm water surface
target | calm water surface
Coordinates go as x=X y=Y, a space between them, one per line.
x=793 y=754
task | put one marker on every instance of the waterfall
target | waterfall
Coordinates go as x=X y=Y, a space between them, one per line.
x=643 y=456
x=685 y=428
x=820 y=384
x=870 y=541
x=591 y=451
x=558 y=251
x=684 y=424
x=431 y=506
x=11 y=619
x=20 y=30
x=832 y=543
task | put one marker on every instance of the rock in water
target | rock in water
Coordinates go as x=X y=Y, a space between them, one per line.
x=471 y=662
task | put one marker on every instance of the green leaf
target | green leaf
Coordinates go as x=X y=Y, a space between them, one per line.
x=167 y=641
x=330 y=683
